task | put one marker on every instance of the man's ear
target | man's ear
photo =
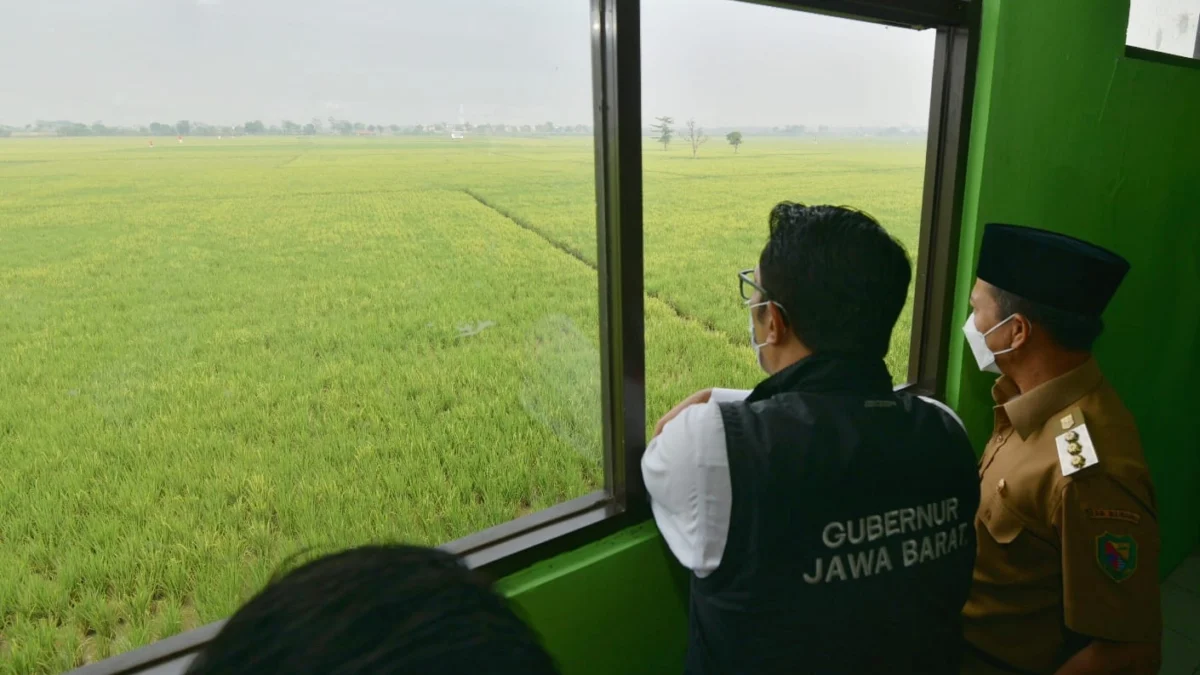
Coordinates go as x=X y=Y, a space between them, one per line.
x=776 y=327
x=1022 y=329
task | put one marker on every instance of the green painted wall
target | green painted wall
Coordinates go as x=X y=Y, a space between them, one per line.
x=608 y=606
x=1072 y=135
x=1068 y=134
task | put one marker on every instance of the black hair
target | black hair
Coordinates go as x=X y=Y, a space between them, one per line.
x=841 y=279
x=376 y=609
x=1071 y=331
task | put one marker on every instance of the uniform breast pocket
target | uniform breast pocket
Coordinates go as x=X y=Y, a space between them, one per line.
x=1000 y=521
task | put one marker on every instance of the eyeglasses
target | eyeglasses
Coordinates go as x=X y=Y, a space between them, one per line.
x=749 y=285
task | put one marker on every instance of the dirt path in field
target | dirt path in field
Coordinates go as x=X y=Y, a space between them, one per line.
x=705 y=324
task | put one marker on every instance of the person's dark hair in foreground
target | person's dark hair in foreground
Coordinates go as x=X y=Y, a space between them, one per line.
x=380 y=610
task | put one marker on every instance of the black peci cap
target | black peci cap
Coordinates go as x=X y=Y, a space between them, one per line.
x=1050 y=269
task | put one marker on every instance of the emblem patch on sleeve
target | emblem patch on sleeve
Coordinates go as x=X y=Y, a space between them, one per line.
x=1117 y=555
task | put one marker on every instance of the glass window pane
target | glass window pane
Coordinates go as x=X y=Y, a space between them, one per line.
x=786 y=105
x=281 y=276
x=1167 y=26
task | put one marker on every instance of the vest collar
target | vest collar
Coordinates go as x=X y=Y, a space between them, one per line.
x=828 y=374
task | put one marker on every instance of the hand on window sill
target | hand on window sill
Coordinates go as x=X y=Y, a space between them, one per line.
x=701 y=396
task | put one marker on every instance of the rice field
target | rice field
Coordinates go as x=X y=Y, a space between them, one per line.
x=217 y=354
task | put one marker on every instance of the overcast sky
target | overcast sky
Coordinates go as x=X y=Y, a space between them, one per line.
x=131 y=62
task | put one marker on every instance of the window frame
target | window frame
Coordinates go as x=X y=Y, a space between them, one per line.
x=1143 y=54
x=616 y=84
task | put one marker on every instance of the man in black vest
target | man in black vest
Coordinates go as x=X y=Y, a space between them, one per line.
x=826 y=519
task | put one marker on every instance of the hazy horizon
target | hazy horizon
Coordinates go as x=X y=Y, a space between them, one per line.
x=223 y=62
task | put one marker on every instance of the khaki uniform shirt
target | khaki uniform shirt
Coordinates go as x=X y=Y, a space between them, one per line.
x=1063 y=559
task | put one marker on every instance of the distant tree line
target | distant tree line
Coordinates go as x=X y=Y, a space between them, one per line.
x=316 y=126
x=826 y=130
x=663 y=131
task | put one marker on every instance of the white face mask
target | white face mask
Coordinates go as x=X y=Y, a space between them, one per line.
x=984 y=356
x=753 y=343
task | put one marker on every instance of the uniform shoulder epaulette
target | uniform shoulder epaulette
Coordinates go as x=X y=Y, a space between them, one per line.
x=1076 y=451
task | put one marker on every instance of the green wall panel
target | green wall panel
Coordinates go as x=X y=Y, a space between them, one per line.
x=618 y=605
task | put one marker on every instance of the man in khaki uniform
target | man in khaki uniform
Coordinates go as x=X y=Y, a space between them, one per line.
x=1066 y=576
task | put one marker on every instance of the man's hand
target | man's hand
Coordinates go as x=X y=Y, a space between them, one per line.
x=701 y=396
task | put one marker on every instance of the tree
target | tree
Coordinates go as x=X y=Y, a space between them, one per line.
x=735 y=139
x=310 y=129
x=290 y=127
x=183 y=127
x=664 y=130
x=255 y=127
x=74 y=129
x=695 y=136
x=315 y=124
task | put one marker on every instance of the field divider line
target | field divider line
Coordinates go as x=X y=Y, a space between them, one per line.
x=534 y=229
x=703 y=324
x=294 y=157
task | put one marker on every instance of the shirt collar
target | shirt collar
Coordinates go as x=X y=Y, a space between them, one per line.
x=1028 y=412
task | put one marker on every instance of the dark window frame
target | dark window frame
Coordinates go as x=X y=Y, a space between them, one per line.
x=1143 y=54
x=616 y=82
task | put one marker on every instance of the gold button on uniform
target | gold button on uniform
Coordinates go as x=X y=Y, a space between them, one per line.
x=1072 y=436
x=1001 y=486
x=1074 y=448
x=1078 y=461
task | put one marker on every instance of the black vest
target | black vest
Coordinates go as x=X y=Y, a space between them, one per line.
x=851 y=537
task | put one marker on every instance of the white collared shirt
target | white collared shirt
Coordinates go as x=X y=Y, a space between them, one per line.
x=686 y=470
